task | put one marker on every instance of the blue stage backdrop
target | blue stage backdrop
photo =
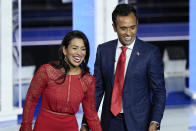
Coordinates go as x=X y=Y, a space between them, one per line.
x=192 y=46
x=83 y=20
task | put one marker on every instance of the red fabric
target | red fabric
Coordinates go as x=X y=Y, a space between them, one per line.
x=116 y=103
x=51 y=122
x=61 y=99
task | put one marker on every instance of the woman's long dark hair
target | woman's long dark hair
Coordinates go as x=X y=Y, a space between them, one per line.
x=61 y=62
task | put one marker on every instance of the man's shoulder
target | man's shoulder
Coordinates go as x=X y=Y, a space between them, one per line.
x=145 y=45
x=109 y=43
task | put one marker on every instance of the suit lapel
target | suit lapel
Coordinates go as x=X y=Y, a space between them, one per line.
x=134 y=55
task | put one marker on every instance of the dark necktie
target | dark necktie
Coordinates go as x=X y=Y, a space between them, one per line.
x=116 y=103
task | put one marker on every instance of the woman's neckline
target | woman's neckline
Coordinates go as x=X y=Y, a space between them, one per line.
x=78 y=74
x=73 y=74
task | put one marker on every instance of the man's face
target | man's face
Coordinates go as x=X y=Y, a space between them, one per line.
x=126 y=28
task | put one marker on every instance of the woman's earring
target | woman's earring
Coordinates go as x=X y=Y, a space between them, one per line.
x=65 y=59
x=84 y=61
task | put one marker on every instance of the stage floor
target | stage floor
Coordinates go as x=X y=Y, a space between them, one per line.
x=176 y=118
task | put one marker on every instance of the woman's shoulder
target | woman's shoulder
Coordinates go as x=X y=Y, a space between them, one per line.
x=88 y=81
x=88 y=75
x=41 y=68
x=46 y=67
x=50 y=70
x=89 y=78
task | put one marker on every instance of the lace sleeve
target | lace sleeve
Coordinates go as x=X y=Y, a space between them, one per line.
x=36 y=87
x=89 y=106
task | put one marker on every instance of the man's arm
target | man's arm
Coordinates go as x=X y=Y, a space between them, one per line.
x=157 y=85
x=99 y=77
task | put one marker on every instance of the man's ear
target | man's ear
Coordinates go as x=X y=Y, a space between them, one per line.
x=114 y=27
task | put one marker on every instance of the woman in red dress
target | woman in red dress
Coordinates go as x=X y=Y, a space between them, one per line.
x=63 y=85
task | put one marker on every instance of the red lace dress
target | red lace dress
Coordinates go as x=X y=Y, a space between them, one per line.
x=59 y=102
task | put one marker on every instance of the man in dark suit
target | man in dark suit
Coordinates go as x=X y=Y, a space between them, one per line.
x=134 y=101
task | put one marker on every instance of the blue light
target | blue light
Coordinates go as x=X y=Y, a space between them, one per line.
x=192 y=45
x=83 y=20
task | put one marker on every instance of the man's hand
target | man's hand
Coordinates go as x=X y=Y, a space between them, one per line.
x=84 y=128
x=153 y=126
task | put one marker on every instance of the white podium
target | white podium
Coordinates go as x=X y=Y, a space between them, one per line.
x=174 y=69
x=7 y=110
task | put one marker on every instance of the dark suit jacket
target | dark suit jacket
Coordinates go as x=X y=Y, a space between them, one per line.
x=144 y=92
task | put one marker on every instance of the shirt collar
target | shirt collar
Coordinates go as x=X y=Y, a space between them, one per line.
x=130 y=46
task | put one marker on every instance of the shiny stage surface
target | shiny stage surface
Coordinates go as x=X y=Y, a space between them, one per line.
x=176 y=118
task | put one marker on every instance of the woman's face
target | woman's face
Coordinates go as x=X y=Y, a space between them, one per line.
x=75 y=52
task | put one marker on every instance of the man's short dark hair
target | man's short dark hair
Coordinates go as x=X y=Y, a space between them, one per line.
x=123 y=10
